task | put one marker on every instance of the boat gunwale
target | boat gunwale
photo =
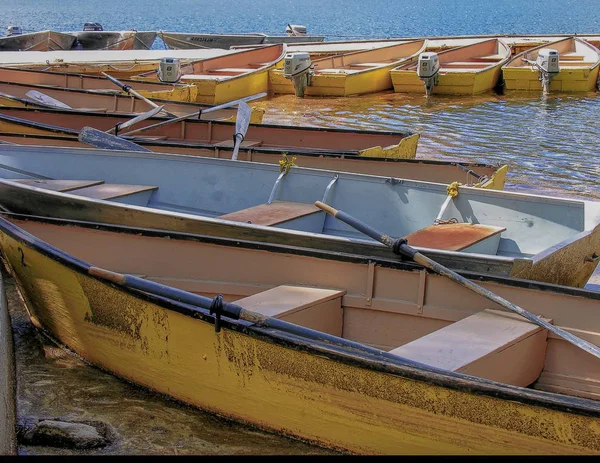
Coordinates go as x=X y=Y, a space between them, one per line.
x=500 y=63
x=524 y=53
x=307 y=128
x=89 y=76
x=310 y=341
x=270 y=150
x=251 y=71
x=397 y=63
x=91 y=91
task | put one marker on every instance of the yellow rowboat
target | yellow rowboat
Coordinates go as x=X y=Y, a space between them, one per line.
x=159 y=90
x=575 y=71
x=349 y=74
x=466 y=70
x=359 y=354
x=231 y=76
x=194 y=133
x=120 y=70
x=19 y=95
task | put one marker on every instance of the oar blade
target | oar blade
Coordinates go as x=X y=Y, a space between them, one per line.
x=99 y=139
x=242 y=122
x=140 y=118
x=47 y=100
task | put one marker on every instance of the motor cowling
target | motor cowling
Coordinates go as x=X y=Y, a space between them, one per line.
x=295 y=30
x=547 y=61
x=14 y=30
x=92 y=27
x=428 y=65
x=296 y=63
x=428 y=68
x=548 y=64
x=298 y=67
x=169 y=70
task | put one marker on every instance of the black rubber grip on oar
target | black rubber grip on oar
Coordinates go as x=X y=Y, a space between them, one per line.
x=398 y=245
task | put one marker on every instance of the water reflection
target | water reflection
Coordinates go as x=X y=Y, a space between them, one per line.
x=549 y=141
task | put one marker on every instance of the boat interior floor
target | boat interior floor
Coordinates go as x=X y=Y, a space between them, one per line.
x=465 y=237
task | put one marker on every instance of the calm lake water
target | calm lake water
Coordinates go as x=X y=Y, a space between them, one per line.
x=551 y=144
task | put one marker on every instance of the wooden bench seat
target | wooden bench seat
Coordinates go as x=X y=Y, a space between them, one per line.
x=112 y=191
x=229 y=70
x=570 y=57
x=315 y=308
x=458 y=237
x=58 y=185
x=492 y=344
x=272 y=214
x=367 y=65
x=465 y=64
x=490 y=58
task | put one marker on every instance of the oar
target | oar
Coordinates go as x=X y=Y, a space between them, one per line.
x=242 y=121
x=400 y=246
x=99 y=139
x=142 y=117
x=219 y=308
x=131 y=91
x=47 y=100
x=470 y=172
x=199 y=113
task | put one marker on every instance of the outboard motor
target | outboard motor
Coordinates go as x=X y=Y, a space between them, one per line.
x=169 y=70
x=547 y=63
x=14 y=30
x=295 y=29
x=428 y=68
x=92 y=27
x=297 y=67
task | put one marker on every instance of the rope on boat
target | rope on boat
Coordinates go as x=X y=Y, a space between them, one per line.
x=286 y=163
x=452 y=189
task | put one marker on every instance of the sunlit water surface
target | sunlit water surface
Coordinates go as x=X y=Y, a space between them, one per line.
x=550 y=143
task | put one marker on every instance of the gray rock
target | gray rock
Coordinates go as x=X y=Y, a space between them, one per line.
x=68 y=434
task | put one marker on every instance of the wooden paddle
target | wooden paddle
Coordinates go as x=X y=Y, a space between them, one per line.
x=131 y=91
x=242 y=121
x=99 y=139
x=401 y=247
x=199 y=113
x=137 y=119
x=46 y=100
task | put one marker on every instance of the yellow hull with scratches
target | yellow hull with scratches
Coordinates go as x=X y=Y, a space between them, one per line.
x=273 y=386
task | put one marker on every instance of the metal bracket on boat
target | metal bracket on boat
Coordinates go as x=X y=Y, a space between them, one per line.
x=276 y=186
x=216 y=307
x=438 y=219
x=328 y=189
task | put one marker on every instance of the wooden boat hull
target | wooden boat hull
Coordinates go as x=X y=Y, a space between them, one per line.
x=302 y=385
x=8 y=384
x=211 y=134
x=466 y=70
x=579 y=63
x=352 y=73
x=38 y=41
x=414 y=169
x=14 y=94
x=174 y=92
x=553 y=240
x=231 y=76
